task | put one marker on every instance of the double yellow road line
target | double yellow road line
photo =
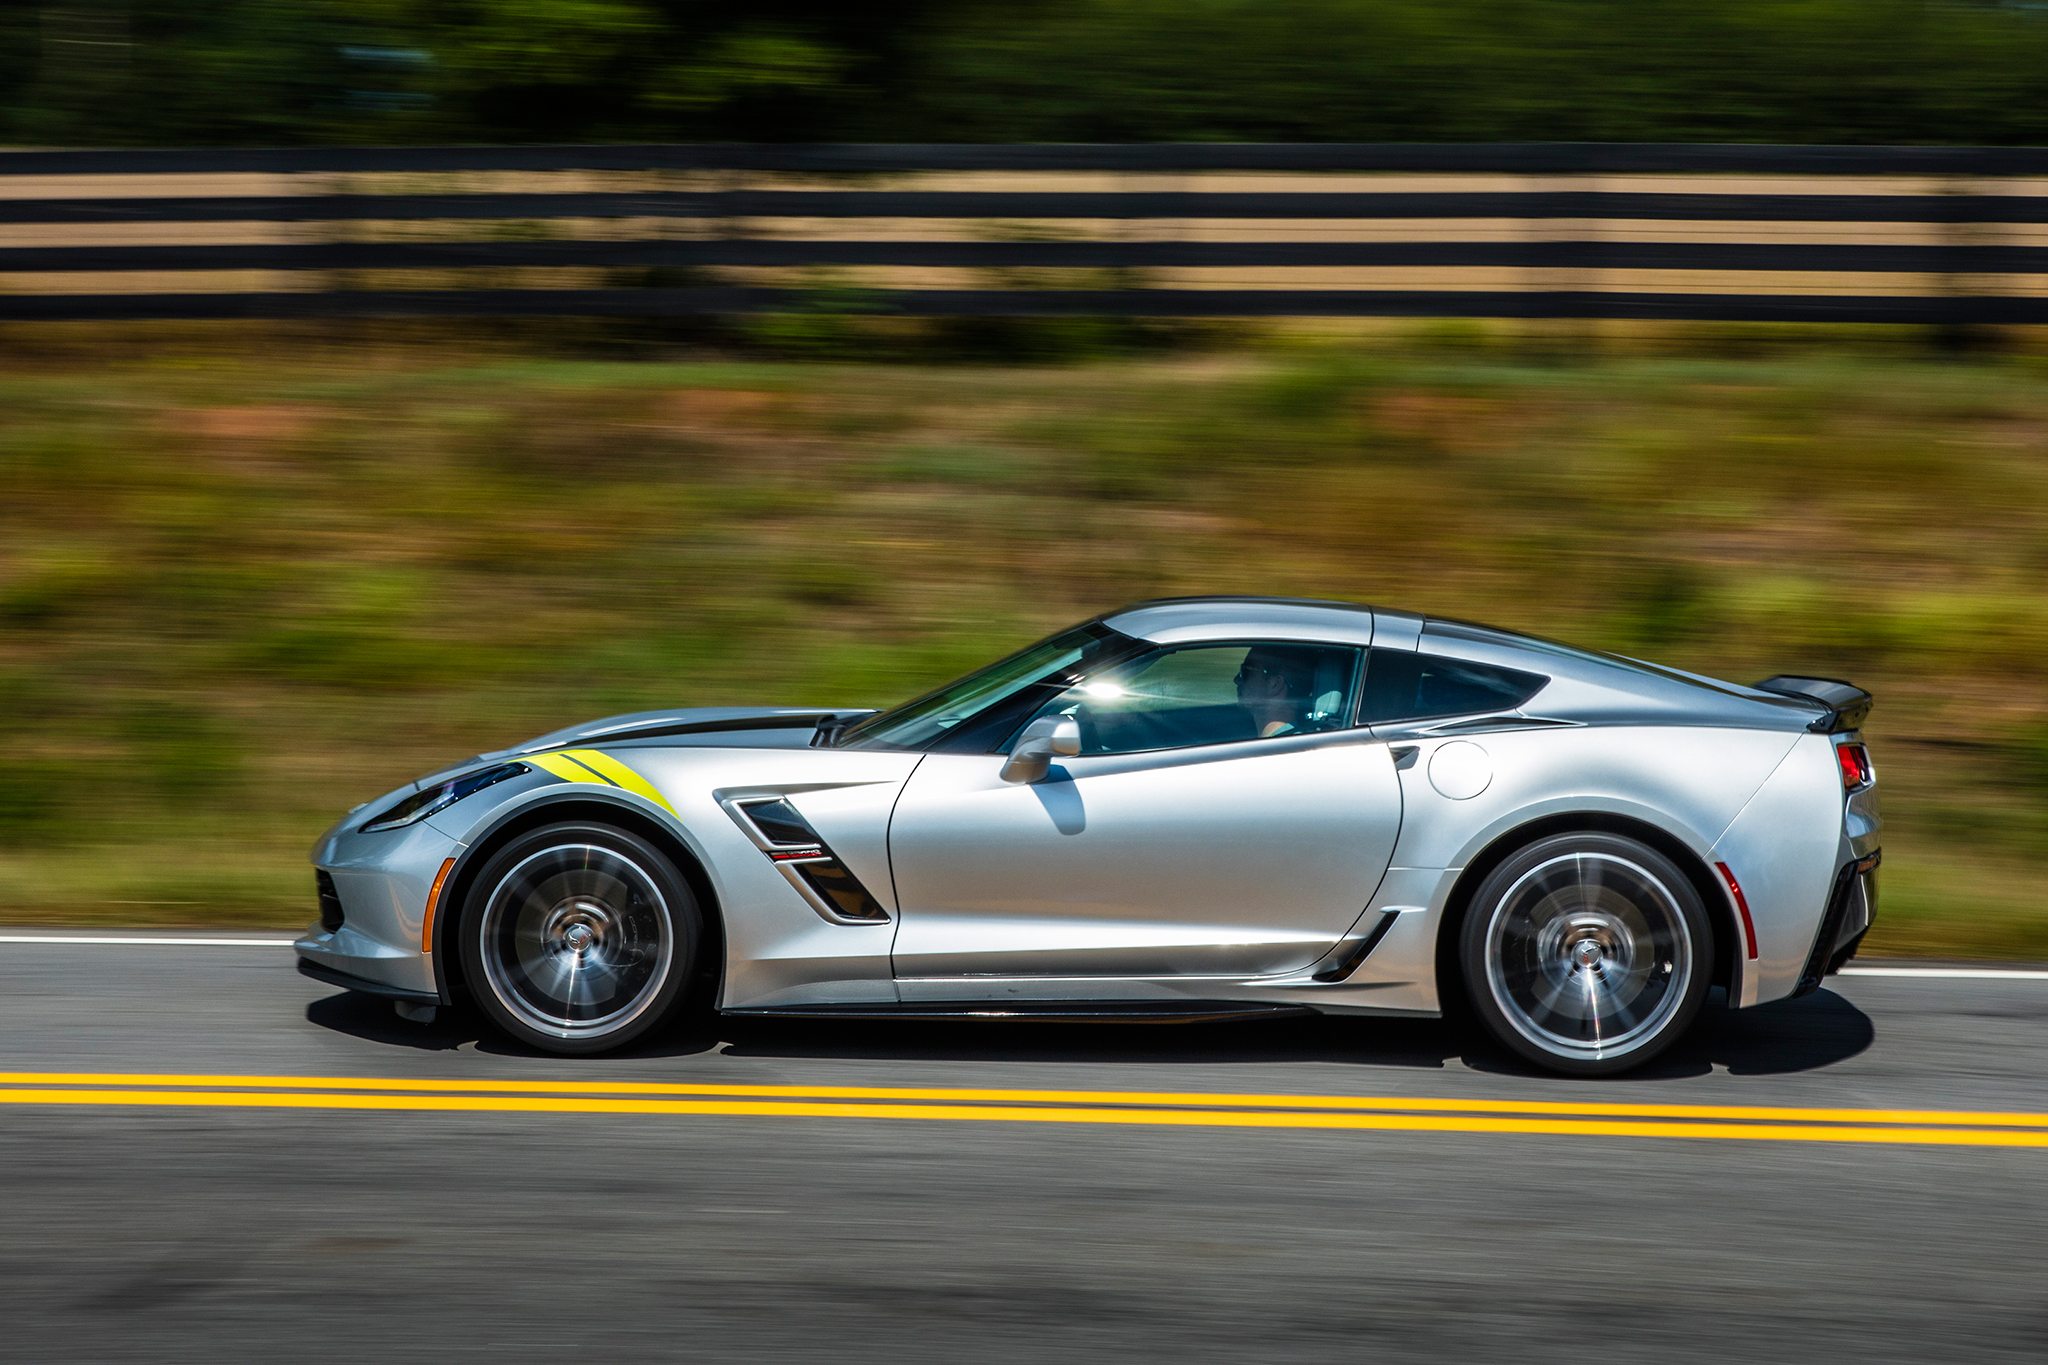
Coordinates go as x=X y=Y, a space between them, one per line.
x=1169 y=1109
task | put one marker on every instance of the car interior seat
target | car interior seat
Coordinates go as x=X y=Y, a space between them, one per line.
x=1333 y=680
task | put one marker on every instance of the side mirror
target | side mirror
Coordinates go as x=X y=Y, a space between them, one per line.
x=1042 y=740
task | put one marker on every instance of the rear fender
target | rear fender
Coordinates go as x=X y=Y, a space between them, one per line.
x=1683 y=785
x=1785 y=847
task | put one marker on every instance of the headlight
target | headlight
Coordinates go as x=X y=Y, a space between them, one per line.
x=441 y=796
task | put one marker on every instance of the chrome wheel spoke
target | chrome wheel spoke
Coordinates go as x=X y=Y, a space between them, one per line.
x=1558 y=999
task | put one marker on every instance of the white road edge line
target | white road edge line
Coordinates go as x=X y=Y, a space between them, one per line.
x=1951 y=973
x=146 y=941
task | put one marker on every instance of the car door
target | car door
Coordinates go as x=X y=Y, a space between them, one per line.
x=1183 y=840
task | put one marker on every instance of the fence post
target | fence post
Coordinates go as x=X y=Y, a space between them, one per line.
x=1956 y=331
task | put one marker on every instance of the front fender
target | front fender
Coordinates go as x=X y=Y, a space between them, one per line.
x=477 y=833
x=779 y=949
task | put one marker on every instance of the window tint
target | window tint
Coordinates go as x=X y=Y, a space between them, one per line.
x=1403 y=686
x=1210 y=694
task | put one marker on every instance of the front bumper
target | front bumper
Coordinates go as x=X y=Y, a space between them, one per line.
x=347 y=957
x=378 y=887
x=334 y=976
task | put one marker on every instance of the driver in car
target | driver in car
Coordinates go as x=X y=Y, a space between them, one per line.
x=1275 y=686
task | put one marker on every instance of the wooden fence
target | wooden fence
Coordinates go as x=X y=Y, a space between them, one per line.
x=1941 y=235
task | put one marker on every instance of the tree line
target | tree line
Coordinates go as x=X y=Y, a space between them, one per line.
x=188 y=72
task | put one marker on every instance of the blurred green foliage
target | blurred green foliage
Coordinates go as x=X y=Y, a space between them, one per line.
x=248 y=581
x=280 y=71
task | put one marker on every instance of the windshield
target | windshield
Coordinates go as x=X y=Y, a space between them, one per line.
x=919 y=724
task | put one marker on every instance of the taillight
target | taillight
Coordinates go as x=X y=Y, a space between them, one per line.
x=1856 y=769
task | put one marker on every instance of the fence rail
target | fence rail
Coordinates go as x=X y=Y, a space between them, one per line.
x=1911 y=234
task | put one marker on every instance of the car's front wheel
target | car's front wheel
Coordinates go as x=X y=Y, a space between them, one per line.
x=1587 y=953
x=578 y=938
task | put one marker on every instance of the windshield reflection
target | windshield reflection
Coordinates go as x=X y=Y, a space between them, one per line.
x=1057 y=660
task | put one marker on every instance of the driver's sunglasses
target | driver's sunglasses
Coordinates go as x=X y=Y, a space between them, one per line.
x=1245 y=671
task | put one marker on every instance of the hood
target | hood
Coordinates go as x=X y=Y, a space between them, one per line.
x=732 y=726
x=692 y=720
x=738 y=726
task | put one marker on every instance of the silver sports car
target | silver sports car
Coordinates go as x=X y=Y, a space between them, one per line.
x=1203 y=808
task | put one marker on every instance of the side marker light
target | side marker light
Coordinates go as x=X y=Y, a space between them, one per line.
x=434 y=904
x=1741 y=907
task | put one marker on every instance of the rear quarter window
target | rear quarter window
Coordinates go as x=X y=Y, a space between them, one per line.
x=1403 y=686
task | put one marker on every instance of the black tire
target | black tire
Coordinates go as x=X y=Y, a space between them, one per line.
x=1587 y=954
x=578 y=938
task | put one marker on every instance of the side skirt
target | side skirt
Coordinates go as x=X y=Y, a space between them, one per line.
x=1092 y=1012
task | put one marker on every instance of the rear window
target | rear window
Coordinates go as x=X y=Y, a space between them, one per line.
x=1404 y=686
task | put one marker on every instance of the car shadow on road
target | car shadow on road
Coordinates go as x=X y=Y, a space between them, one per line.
x=1817 y=1031
x=1386 y=1042
x=1807 y=1034
x=1381 y=1042
x=371 y=1018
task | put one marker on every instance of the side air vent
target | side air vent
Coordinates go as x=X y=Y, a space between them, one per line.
x=779 y=822
x=1340 y=967
x=830 y=879
x=807 y=860
x=330 y=900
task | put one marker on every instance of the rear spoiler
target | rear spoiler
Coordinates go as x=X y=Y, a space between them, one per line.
x=1847 y=704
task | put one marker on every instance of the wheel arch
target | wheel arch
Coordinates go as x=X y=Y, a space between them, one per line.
x=1720 y=912
x=447 y=963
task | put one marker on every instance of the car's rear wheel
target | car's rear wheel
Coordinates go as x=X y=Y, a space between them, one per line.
x=1587 y=953
x=578 y=938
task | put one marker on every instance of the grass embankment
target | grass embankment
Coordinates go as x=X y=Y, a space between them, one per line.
x=243 y=587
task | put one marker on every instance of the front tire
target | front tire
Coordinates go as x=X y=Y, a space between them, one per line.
x=579 y=938
x=1587 y=954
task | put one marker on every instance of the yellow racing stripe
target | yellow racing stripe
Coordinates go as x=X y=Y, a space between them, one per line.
x=619 y=775
x=564 y=767
x=588 y=765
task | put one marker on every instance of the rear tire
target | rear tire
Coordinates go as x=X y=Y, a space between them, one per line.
x=578 y=938
x=1587 y=954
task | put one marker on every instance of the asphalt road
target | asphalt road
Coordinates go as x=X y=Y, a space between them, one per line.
x=139 y=1223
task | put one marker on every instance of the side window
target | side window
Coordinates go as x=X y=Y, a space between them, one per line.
x=1175 y=698
x=1400 y=685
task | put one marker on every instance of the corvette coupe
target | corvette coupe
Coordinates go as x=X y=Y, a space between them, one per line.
x=1191 y=809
